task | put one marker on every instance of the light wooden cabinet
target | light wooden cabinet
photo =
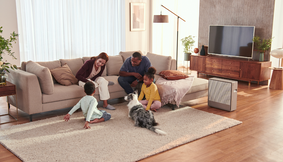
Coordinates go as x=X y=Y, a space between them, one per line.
x=233 y=68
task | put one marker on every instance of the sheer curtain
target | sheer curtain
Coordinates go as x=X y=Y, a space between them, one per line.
x=277 y=32
x=57 y=29
x=164 y=35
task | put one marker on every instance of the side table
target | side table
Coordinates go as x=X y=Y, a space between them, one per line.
x=7 y=90
x=277 y=79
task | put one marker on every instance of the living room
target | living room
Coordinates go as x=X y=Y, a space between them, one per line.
x=258 y=138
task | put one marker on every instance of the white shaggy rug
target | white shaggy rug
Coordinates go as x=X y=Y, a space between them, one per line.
x=116 y=140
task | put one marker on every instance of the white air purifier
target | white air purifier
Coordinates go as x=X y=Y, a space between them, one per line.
x=222 y=94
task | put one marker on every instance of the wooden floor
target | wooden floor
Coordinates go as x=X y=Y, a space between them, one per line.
x=258 y=139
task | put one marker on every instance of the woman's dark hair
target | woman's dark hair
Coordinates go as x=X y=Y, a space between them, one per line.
x=150 y=72
x=137 y=55
x=89 y=88
x=102 y=55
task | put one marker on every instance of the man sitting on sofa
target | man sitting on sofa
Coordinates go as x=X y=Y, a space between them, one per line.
x=132 y=71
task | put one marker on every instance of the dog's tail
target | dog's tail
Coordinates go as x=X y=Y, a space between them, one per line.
x=156 y=130
x=159 y=131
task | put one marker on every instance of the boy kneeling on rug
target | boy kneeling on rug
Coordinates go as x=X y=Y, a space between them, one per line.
x=88 y=104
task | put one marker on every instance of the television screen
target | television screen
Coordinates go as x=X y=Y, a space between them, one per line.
x=234 y=41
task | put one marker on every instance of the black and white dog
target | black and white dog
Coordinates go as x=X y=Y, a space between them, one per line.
x=141 y=117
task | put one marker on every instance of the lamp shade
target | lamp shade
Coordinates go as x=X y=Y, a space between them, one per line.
x=160 y=19
x=277 y=53
x=187 y=56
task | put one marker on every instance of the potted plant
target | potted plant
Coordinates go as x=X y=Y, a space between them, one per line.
x=262 y=45
x=5 y=47
x=188 y=43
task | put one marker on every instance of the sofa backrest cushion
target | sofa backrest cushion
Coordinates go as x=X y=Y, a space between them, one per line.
x=85 y=59
x=74 y=64
x=127 y=54
x=49 y=64
x=104 y=72
x=44 y=76
x=114 y=65
x=159 y=62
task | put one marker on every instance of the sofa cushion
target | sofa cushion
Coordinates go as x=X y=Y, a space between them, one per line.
x=85 y=59
x=159 y=62
x=64 y=75
x=50 y=64
x=114 y=64
x=116 y=86
x=173 y=75
x=44 y=76
x=127 y=54
x=199 y=84
x=74 y=64
x=23 y=65
x=64 y=93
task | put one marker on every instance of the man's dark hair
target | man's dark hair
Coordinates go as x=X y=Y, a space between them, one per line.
x=89 y=88
x=137 y=55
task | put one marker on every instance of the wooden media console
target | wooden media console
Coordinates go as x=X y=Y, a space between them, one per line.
x=232 y=68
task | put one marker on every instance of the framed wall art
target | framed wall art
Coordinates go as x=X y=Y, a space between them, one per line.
x=137 y=17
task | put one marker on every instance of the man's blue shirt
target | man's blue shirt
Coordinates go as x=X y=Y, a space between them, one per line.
x=141 y=69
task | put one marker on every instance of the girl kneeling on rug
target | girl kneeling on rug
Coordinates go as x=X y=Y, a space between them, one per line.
x=88 y=104
x=149 y=90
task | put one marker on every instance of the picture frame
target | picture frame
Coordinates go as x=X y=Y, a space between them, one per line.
x=137 y=16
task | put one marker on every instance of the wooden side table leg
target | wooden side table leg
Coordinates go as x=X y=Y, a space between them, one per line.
x=277 y=79
x=9 y=105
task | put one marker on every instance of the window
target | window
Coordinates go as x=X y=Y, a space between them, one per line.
x=62 y=29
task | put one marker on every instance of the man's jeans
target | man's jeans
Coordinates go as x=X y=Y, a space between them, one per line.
x=125 y=83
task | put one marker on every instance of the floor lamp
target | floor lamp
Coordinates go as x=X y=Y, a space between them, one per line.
x=164 y=19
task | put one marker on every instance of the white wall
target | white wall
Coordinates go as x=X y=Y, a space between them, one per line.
x=8 y=19
x=138 y=40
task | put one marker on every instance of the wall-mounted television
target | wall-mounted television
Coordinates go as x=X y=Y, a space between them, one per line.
x=232 y=41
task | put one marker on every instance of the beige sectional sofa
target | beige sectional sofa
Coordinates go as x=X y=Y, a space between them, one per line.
x=35 y=95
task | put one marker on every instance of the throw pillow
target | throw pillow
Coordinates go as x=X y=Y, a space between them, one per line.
x=74 y=64
x=64 y=75
x=44 y=76
x=173 y=75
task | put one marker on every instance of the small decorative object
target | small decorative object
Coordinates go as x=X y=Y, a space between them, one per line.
x=137 y=16
x=202 y=51
x=196 y=50
x=6 y=46
x=262 y=45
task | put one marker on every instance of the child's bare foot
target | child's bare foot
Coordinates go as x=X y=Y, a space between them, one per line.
x=153 y=110
x=96 y=120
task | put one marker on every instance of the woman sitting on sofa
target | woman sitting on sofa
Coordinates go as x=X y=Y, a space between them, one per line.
x=92 y=71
